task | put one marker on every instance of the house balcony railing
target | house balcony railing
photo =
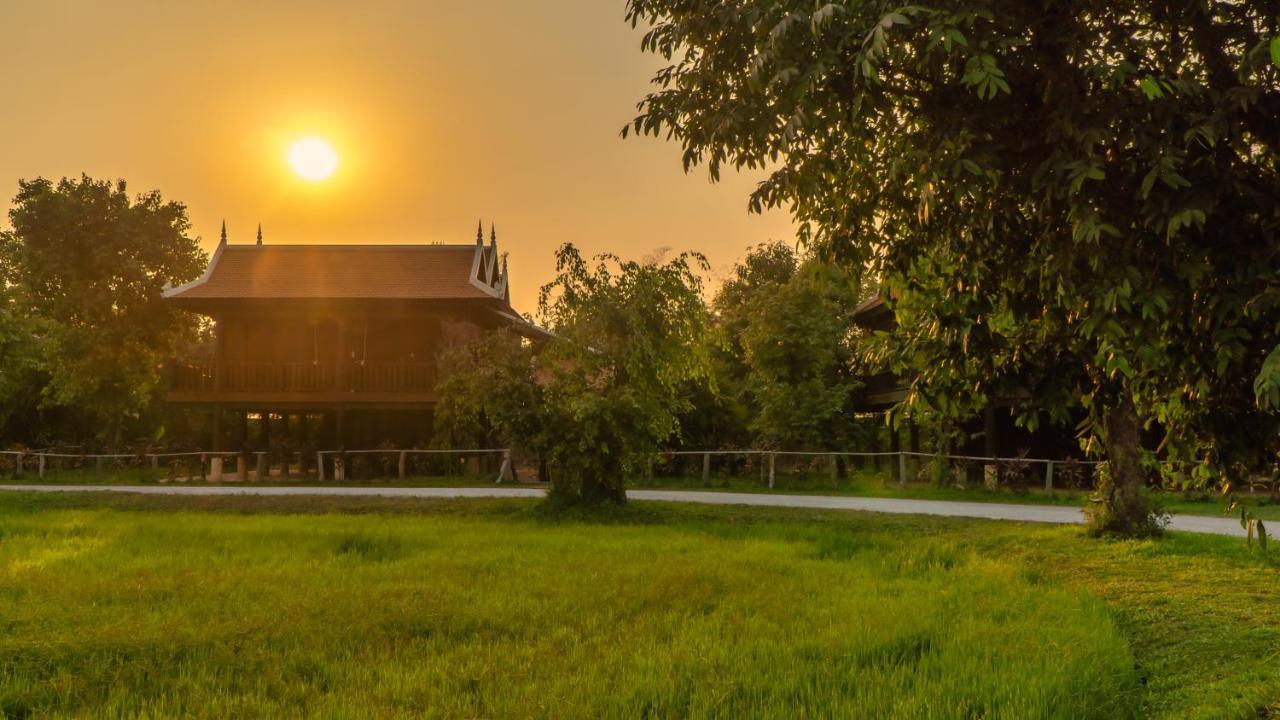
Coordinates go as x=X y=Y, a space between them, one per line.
x=304 y=378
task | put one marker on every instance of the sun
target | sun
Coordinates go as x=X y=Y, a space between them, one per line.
x=313 y=159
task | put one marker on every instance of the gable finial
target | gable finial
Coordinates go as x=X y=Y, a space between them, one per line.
x=479 y=232
x=259 y=233
x=222 y=239
x=493 y=232
x=506 y=289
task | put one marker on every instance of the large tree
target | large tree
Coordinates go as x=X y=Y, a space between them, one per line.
x=1074 y=203
x=88 y=263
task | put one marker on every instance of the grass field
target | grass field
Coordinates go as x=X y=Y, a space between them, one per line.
x=160 y=606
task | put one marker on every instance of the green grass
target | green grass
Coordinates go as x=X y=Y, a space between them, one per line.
x=357 y=607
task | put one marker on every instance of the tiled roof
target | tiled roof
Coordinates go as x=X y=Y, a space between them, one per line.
x=401 y=272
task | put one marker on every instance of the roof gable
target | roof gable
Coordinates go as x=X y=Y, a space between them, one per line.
x=400 y=272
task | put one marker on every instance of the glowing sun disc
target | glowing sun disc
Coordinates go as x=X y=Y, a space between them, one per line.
x=313 y=159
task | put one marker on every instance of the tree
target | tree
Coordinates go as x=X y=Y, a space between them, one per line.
x=89 y=264
x=1074 y=203
x=488 y=389
x=798 y=349
x=783 y=361
x=21 y=347
x=601 y=395
x=723 y=405
x=629 y=340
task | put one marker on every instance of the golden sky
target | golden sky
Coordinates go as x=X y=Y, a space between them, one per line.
x=441 y=112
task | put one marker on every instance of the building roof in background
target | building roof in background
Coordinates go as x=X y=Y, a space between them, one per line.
x=374 y=272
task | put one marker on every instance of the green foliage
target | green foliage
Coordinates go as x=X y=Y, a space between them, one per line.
x=1073 y=205
x=1250 y=522
x=22 y=343
x=488 y=391
x=88 y=265
x=798 y=349
x=630 y=339
x=722 y=417
x=1266 y=387
x=782 y=360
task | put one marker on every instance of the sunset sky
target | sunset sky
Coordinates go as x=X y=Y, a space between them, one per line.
x=440 y=113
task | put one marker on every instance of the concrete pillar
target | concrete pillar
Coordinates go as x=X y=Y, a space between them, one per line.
x=215 y=468
x=264 y=470
x=990 y=448
x=240 y=466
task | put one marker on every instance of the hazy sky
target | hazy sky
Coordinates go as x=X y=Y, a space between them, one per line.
x=441 y=113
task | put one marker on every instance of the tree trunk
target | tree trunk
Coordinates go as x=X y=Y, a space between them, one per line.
x=1122 y=509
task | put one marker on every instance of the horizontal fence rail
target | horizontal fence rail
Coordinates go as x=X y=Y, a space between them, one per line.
x=768 y=465
x=337 y=460
x=209 y=465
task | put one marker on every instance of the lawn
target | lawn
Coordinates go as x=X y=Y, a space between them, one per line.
x=163 y=606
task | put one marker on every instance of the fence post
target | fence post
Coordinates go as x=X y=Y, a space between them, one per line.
x=319 y=466
x=835 y=481
x=771 y=457
x=18 y=466
x=203 y=460
x=506 y=465
x=401 y=469
x=1048 y=478
x=264 y=471
x=40 y=460
x=97 y=468
x=340 y=466
x=706 y=469
x=648 y=468
x=902 y=469
x=215 y=468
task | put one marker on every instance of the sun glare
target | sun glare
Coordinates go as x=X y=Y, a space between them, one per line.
x=313 y=159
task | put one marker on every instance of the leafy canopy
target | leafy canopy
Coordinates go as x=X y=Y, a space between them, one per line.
x=1074 y=204
x=88 y=263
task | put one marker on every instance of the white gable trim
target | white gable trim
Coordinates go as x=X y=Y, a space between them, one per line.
x=485 y=264
x=208 y=273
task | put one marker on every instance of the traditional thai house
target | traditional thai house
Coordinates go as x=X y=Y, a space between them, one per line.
x=340 y=340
